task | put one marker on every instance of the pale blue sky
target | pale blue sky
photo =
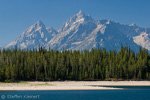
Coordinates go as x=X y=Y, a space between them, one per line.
x=17 y=15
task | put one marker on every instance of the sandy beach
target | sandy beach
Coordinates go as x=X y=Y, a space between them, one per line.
x=70 y=85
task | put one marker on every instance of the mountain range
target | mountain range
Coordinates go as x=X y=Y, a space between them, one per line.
x=81 y=32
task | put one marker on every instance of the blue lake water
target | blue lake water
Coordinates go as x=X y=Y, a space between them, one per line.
x=128 y=93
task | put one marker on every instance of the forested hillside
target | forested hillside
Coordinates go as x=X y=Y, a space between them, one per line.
x=96 y=64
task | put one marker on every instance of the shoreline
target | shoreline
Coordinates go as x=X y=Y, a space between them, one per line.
x=70 y=85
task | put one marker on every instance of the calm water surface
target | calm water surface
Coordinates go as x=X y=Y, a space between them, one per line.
x=128 y=93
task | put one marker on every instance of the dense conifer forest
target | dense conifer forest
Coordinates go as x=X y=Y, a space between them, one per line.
x=97 y=64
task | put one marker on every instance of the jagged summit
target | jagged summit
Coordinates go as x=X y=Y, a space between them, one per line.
x=75 y=20
x=35 y=29
x=79 y=17
x=32 y=37
x=80 y=13
x=39 y=23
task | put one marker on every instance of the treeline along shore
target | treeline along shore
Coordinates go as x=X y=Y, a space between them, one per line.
x=52 y=65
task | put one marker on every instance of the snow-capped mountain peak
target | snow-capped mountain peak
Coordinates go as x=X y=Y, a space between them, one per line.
x=80 y=16
x=38 y=26
x=32 y=37
x=82 y=32
x=75 y=20
x=80 y=13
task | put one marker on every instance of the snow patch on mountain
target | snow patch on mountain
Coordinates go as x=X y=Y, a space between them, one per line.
x=52 y=31
x=143 y=40
x=11 y=44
